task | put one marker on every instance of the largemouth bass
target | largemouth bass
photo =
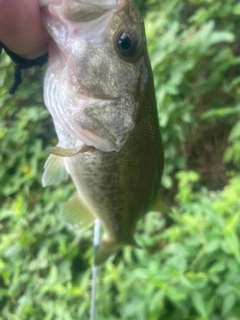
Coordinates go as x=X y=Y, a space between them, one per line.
x=99 y=90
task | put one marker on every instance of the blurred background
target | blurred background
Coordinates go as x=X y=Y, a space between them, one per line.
x=190 y=268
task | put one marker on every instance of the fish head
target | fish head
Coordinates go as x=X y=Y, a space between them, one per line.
x=99 y=69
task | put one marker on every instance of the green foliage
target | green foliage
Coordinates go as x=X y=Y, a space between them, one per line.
x=195 y=274
x=189 y=266
x=189 y=269
x=195 y=57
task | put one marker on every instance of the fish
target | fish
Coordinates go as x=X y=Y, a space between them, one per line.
x=99 y=90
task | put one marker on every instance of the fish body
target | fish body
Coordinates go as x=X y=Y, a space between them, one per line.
x=99 y=90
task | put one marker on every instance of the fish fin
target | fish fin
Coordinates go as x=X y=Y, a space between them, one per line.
x=54 y=171
x=76 y=212
x=106 y=248
x=70 y=152
x=160 y=206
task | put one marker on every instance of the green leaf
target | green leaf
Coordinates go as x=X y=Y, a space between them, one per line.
x=224 y=289
x=175 y=295
x=236 y=9
x=198 y=280
x=235 y=132
x=232 y=245
x=199 y=303
x=212 y=245
x=157 y=300
x=228 y=303
x=217 y=267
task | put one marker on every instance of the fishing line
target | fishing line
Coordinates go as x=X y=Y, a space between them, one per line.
x=96 y=241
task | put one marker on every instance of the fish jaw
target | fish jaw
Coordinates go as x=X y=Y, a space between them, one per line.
x=61 y=18
x=77 y=10
x=81 y=4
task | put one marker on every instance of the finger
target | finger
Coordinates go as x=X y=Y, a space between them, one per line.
x=21 y=29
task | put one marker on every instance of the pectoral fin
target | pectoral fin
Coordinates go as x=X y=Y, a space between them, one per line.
x=54 y=171
x=70 y=152
x=76 y=212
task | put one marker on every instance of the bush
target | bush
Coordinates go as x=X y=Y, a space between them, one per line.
x=195 y=57
x=189 y=267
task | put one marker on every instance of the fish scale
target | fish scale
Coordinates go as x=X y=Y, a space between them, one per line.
x=107 y=181
x=99 y=90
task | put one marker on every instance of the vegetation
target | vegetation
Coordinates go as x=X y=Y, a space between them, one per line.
x=189 y=269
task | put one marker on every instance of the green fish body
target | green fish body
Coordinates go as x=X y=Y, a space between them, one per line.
x=99 y=90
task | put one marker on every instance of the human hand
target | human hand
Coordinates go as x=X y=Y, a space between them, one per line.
x=21 y=29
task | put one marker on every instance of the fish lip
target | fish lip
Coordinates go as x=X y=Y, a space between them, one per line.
x=107 y=5
x=82 y=11
x=112 y=4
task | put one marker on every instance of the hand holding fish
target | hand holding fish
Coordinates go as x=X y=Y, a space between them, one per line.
x=21 y=29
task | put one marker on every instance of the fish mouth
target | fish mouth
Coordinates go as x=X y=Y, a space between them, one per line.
x=84 y=11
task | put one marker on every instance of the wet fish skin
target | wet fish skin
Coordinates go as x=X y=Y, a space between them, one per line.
x=118 y=179
x=85 y=83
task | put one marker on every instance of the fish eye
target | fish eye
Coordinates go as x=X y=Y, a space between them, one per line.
x=128 y=45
